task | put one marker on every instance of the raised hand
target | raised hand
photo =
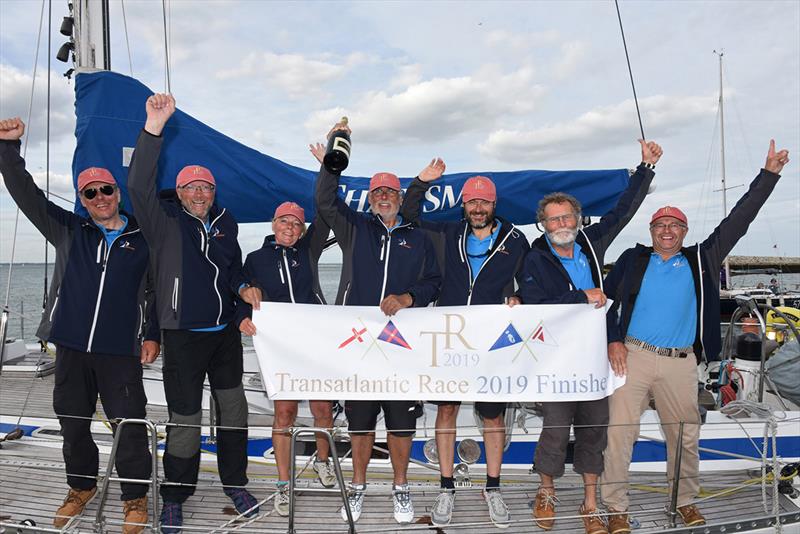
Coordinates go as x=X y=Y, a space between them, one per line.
x=433 y=171
x=160 y=108
x=776 y=160
x=651 y=152
x=341 y=125
x=317 y=150
x=11 y=129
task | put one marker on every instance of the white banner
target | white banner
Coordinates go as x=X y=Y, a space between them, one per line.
x=460 y=353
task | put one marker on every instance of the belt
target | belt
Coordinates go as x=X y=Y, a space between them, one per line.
x=676 y=352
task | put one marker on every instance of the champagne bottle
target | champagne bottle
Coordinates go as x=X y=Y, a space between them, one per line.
x=337 y=155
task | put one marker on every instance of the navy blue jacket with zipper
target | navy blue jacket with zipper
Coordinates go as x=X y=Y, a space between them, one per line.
x=495 y=280
x=546 y=281
x=98 y=298
x=197 y=272
x=376 y=262
x=705 y=259
x=286 y=274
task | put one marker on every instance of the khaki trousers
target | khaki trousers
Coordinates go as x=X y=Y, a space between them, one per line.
x=673 y=384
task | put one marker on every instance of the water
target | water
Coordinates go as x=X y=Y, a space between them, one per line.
x=28 y=280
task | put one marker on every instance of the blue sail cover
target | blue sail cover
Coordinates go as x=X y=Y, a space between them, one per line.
x=110 y=114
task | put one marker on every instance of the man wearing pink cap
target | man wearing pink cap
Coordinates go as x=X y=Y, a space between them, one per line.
x=296 y=251
x=198 y=267
x=482 y=255
x=665 y=317
x=94 y=314
x=386 y=262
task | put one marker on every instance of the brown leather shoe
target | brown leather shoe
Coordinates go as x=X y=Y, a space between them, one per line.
x=618 y=522
x=593 y=521
x=135 y=512
x=544 y=508
x=691 y=515
x=73 y=505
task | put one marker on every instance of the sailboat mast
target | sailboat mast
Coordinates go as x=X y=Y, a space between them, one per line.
x=92 y=36
x=722 y=158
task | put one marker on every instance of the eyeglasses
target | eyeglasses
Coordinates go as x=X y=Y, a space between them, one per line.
x=660 y=227
x=379 y=192
x=90 y=192
x=205 y=188
x=567 y=218
x=478 y=203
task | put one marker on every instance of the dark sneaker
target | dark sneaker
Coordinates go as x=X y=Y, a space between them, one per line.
x=691 y=515
x=73 y=505
x=243 y=501
x=171 y=517
x=618 y=522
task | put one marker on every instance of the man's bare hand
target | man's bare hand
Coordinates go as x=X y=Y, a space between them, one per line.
x=433 y=171
x=339 y=126
x=651 y=152
x=149 y=352
x=394 y=303
x=513 y=301
x=247 y=327
x=252 y=296
x=776 y=160
x=160 y=108
x=11 y=129
x=595 y=296
x=317 y=150
x=618 y=357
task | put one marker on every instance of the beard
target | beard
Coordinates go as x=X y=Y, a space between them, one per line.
x=488 y=219
x=563 y=237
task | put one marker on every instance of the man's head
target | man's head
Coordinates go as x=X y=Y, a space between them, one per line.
x=288 y=223
x=668 y=228
x=196 y=187
x=385 y=195
x=99 y=194
x=479 y=197
x=560 y=215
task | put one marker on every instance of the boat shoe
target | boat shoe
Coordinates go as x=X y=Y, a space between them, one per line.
x=135 y=511
x=691 y=515
x=73 y=505
x=618 y=522
x=544 y=508
x=593 y=521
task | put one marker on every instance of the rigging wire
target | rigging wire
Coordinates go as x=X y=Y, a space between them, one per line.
x=166 y=46
x=127 y=42
x=630 y=72
x=47 y=142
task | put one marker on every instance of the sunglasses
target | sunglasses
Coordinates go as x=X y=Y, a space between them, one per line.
x=90 y=192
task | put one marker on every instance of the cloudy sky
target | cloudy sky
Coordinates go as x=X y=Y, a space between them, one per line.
x=484 y=85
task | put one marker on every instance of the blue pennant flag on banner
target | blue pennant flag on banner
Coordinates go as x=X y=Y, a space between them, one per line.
x=509 y=337
x=390 y=334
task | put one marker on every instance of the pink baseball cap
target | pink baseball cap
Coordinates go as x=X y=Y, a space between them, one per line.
x=479 y=187
x=193 y=173
x=669 y=211
x=385 y=179
x=290 y=208
x=95 y=174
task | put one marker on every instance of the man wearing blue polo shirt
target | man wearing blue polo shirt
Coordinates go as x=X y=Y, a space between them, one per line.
x=665 y=316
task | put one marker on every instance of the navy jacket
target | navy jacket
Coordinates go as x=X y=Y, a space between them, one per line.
x=495 y=280
x=197 y=271
x=376 y=262
x=286 y=274
x=544 y=279
x=98 y=296
x=625 y=279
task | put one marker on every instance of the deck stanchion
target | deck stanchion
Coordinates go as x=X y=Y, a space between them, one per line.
x=212 y=420
x=676 y=478
x=3 y=331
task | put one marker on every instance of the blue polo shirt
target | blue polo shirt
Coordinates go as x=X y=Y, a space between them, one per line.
x=478 y=249
x=665 y=313
x=111 y=235
x=577 y=266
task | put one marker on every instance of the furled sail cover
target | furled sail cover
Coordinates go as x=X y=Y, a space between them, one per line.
x=110 y=114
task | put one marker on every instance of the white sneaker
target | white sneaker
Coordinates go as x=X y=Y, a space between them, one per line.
x=281 y=500
x=442 y=510
x=326 y=473
x=355 y=501
x=403 y=507
x=498 y=511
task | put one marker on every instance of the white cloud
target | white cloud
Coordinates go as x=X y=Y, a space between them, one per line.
x=601 y=127
x=437 y=109
x=406 y=76
x=521 y=41
x=572 y=54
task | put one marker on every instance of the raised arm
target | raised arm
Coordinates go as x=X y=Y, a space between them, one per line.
x=144 y=168
x=51 y=220
x=735 y=225
x=411 y=209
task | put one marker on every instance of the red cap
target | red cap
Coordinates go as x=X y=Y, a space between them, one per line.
x=479 y=187
x=385 y=179
x=669 y=211
x=95 y=174
x=193 y=173
x=290 y=208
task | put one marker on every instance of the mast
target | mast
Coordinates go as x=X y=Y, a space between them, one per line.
x=91 y=35
x=722 y=157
